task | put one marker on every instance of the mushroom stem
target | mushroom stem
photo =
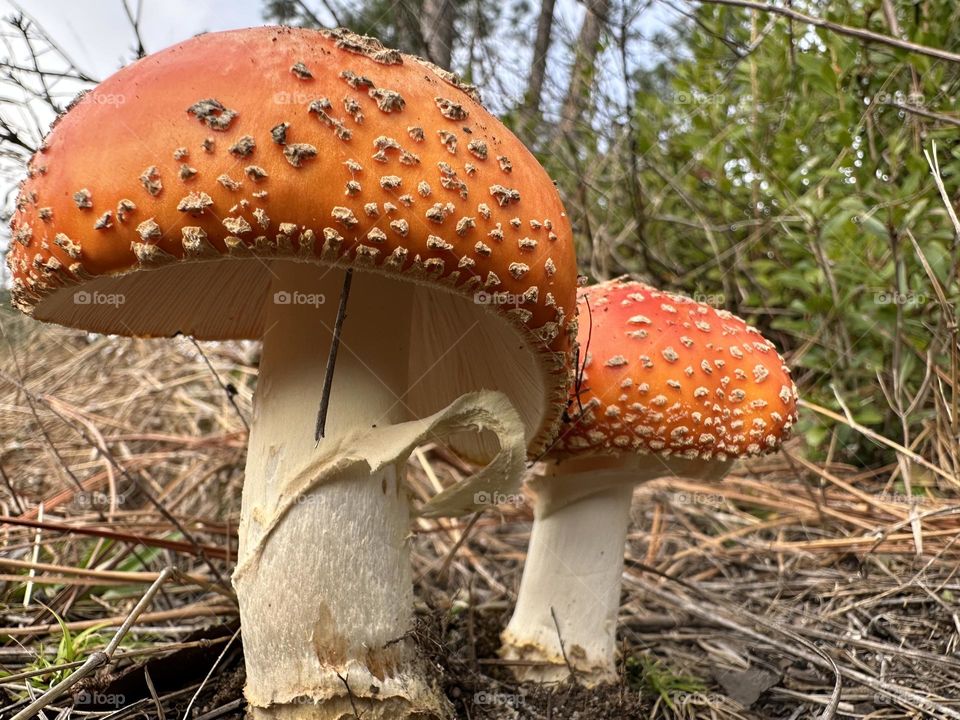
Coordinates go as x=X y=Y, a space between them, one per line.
x=325 y=583
x=570 y=591
x=574 y=564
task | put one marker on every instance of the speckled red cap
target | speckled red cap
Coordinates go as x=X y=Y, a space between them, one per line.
x=669 y=375
x=280 y=143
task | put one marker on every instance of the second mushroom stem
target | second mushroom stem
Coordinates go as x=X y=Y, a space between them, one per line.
x=570 y=592
x=574 y=564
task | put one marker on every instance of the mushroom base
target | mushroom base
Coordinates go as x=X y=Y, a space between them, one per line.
x=325 y=582
x=326 y=610
x=344 y=709
x=570 y=590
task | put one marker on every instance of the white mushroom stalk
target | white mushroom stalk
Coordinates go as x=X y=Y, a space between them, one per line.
x=327 y=598
x=323 y=574
x=670 y=388
x=570 y=593
x=569 y=598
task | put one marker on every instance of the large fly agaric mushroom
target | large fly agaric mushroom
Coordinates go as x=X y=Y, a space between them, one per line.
x=670 y=387
x=226 y=188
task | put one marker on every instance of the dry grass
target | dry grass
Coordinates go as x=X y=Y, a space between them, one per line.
x=789 y=590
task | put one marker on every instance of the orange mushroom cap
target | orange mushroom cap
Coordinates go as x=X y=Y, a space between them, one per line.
x=317 y=146
x=669 y=375
x=300 y=143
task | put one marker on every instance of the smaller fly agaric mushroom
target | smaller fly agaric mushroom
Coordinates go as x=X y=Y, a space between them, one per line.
x=670 y=387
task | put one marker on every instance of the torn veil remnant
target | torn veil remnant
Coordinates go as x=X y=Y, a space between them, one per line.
x=669 y=387
x=252 y=242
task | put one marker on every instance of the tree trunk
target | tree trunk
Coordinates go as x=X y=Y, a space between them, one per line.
x=437 y=28
x=538 y=66
x=585 y=55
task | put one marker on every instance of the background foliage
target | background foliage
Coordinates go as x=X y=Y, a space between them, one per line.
x=762 y=165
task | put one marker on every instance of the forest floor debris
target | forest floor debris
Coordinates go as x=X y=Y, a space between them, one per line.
x=756 y=597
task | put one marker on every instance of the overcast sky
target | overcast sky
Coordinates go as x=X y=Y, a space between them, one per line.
x=97 y=35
